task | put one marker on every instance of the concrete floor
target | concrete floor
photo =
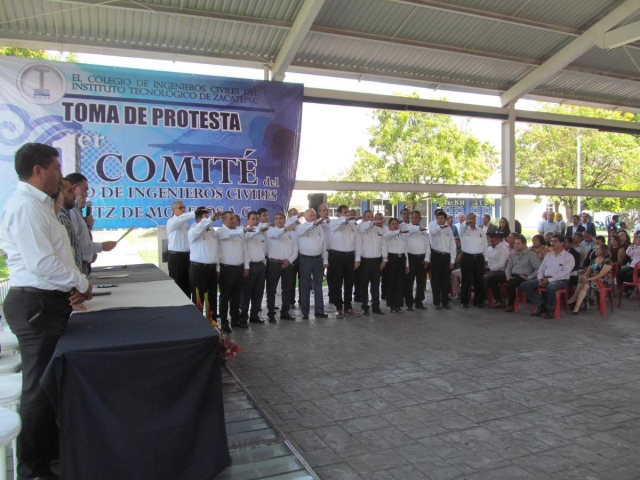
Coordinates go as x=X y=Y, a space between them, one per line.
x=463 y=394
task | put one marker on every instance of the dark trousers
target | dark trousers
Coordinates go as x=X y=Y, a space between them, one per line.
x=253 y=290
x=530 y=287
x=472 y=267
x=357 y=296
x=396 y=277
x=440 y=277
x=341 y=264
x=329 y=283
x=230 y=291
x=179 y=264
x=295 y=280
x=370 y=275
x=512 y=284
x=276 y=273
x=204 y=280
x=493 y=281
x=38 y=440
x=383 y=286
x=625 y=275
x=311 y=272
x=416 y=275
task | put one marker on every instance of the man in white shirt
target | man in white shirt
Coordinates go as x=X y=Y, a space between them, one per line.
x=496 y=263
x=553 y=274
x=253 y=284
x=419 y=254
x=345 y=243
x=89 y=248
x=293 y=218
x=323 y=213
x=379 y=219
x=373 y=260
x=312 y=260
x=283 y=251
x=205 y=262
x=474 y=243
x=442 y=258
x=549 y=225
x=45 y=284
x=178 y=245
x=234 y=266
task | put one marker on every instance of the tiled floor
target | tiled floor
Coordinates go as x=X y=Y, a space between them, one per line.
x=463 y=394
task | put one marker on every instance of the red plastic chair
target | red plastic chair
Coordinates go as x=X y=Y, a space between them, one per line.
x=503 y=290
x=559 y=295
x=520 y=296
x=603 y=293
x=635 y=283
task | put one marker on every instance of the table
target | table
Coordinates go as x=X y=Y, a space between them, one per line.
x=138 y=394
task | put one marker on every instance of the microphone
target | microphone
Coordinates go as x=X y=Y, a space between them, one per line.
x=151 y=218
x=88 y=205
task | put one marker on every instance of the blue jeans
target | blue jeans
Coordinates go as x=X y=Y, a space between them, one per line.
x=529 y=288
x=311 y=266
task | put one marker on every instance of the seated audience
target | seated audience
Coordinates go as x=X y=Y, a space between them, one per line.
x=503 y=228
x=626 y=273
x=521 y=266
x=539 y=246
x=599 y=272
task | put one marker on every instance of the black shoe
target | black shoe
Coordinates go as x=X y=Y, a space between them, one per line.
x=256 y=320
x=226 y=329
x=378 y=311
x=243 y=325
x=539 y=311
x=276 y=308
x=286 y=316
x=305 y=317
x=438 y=307
x=409 y=308
x=321 y=315
x=548 y=316
x=447 y=307
x=465 y=305
x=272 y=318
x=572 y=305
x=420 y=306
x=235 y=324
x=365 y=310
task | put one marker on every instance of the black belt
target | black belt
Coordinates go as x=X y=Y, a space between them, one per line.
x=389 y=254
x=256 y=263
x=474 y=255
x=231 y=266
x=198 y=264
x=172 y=252
x=310 y=256
x=40 y=291
x=417 y=254
x=339 y=252
x=439 y=253
x=371 y=258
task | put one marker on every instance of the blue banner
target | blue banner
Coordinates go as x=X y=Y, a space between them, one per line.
x=146 y=138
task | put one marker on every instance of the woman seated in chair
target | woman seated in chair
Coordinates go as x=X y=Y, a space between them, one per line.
x=600 y=271
x=539 y=246
x=626 y=273
x=618 y=253
x=503 y=228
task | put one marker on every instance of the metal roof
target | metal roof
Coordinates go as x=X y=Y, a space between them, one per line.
x=494 y=46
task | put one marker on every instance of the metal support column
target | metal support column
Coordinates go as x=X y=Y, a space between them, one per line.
x=509 y=167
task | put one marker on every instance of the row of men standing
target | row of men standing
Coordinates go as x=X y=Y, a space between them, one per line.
x=240 y=259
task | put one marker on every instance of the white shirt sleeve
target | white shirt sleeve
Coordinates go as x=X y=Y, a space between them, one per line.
x=175 y=222
x=294 y=255
x=338 y=223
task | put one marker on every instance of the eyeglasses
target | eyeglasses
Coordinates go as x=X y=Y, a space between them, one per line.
x=181 y=208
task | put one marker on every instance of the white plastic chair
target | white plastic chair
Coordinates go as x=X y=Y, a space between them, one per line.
x=10 y=363
x=10 y=390
x=8 y=343
x=10 y=426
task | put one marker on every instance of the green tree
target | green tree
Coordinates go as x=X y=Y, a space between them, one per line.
x=37 y=54
x=547 y=156
x=422 y=148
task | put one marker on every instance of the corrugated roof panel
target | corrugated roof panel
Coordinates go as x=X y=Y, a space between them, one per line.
x=280 y=10
x=619 y=61
x=577 y=85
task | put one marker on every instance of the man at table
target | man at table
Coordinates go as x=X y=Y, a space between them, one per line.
x=178 y=236
x=234 y=266
x=45 y=283
x=205 y=262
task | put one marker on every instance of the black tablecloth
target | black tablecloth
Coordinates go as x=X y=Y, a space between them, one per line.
x=139 y=396
x=144 y=272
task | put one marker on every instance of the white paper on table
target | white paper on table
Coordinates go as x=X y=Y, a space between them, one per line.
x=163 y=293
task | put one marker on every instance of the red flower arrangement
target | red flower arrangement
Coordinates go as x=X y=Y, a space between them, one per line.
x=228 y=348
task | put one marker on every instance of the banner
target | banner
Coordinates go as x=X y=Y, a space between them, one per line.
x=146 y=138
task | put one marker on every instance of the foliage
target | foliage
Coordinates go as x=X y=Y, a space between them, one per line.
x=409 y=147
x=38 y=54
x=547 y=156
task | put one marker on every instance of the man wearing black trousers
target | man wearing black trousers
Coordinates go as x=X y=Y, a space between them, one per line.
x=253 y=284
x=178 y=243
x=443 y=254
x=474 y=244
x=45 y=285
x=345 y=243
x=373 y=260
x=234 y=266
x=418 y=252
x=283 y=251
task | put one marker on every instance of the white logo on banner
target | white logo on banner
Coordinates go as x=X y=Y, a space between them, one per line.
x=41 y=83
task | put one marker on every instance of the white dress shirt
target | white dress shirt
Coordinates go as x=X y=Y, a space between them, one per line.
x=260 y=227
x=203 y=243
x=547 y=226
x=233 y=250
x=556 y=267
x=418 y=241
x=88 y=247
x=282 y=245
x=291 y=221
x=177 y=232
x=311 y=241
x=396 y=244
x=344 y=236
x=256 y=245
x=497 y=257
x=37 y=246
x=372 y=245
x=326 y=228
x=442 y=240
x=473 y=242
